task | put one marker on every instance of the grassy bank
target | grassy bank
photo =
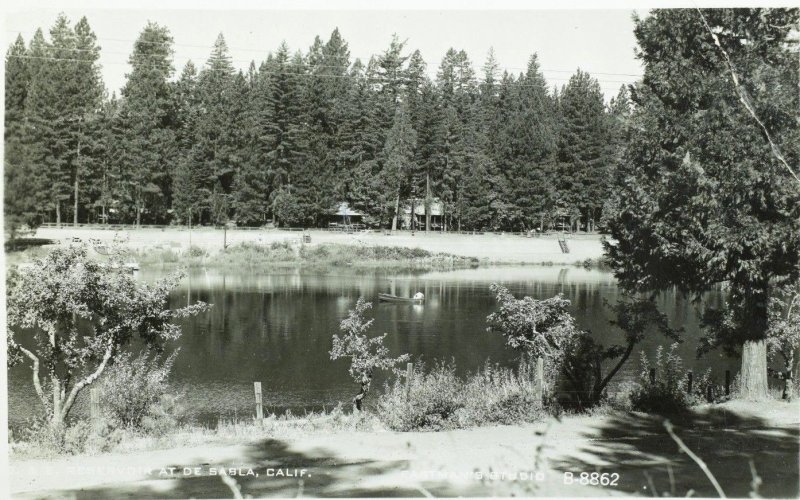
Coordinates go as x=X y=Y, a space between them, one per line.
x=282 y=254
x=487 y=248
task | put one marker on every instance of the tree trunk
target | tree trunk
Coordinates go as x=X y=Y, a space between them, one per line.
x=396 y=210
x=75 y=215
x=788 y=385
x=427 y=202
x=754 y=385
x=357 y=401
x=77 y=172
x=754 y=370
x=58 y=214
x=57 y=418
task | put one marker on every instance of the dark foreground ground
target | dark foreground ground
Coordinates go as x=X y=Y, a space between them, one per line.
x=459 y=463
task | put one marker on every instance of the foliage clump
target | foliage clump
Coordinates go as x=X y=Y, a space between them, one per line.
x=546 y=329
x=70 y=316
x=135 y=389
x=666 y=393
x=783 y=335
x=440 y=400
x=365 y=354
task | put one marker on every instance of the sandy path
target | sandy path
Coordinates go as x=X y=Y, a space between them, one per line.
x=497 y=248
x=447 y=463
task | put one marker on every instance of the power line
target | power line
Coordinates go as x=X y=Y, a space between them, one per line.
x=261 y=51
x=296 y=74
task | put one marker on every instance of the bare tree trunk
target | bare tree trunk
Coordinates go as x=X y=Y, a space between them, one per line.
x=77 y=172
x=358 y=400
x=754 y=370
x=788 y=385
x=754 y=382
x=58 y=214
x=396 y=210
x=56 y=383
x=75 y=214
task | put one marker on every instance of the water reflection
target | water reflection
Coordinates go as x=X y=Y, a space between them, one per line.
x=276 y=328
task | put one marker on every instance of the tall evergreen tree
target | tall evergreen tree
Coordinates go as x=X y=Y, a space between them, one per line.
x=214 y=150
x=251 y=186
x=21 y=200
x=186 y=184
x=584 y=147
x=147 y=125
x=63 y=99
x=398 y=158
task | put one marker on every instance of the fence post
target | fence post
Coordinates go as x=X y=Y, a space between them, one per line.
x=652 y=375
x=259 y=407
x=94 y=408
x=689 y=383
x=727 y=382
x=409 y=377
x=539 y=387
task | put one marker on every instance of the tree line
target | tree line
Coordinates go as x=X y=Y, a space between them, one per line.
x=295 y=135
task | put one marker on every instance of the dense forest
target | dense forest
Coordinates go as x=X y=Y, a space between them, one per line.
x=297 y=134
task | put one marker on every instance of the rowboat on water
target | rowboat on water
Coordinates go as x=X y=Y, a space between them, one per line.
x=418 y=298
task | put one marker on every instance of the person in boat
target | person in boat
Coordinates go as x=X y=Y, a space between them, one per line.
x=419 y=296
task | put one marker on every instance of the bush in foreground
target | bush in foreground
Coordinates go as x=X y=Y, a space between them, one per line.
x=666 y=393
x=440 y=400
x=134 y=390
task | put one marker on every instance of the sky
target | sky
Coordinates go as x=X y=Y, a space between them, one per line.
x=598 y=41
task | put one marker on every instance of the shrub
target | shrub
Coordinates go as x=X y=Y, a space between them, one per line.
x=440 y=400
x=196 y=252
x=40 y=439
x=163 y=416
x=498 y=395
x=136 y=388
x=701 y=387
x=667 y=393
x=279 y=245
x=87 y=437
x=429 y=402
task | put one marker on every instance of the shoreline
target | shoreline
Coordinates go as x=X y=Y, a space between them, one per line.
x=486 y=249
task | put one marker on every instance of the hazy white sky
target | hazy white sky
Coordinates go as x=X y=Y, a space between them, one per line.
x=598 y=41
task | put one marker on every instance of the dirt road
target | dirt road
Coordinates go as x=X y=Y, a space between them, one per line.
x=632 y=450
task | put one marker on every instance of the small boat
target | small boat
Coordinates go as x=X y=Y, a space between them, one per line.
x=387 y=297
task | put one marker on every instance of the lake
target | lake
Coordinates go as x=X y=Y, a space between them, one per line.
x=276 y=328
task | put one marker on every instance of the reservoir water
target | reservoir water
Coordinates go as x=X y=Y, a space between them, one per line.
x=276 y=327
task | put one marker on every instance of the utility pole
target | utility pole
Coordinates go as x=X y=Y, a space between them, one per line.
x=413 y=203
x=427 y=201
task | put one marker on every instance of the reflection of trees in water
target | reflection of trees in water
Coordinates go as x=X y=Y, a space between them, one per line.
x=277 y=328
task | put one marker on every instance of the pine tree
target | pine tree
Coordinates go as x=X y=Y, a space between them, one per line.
x=525 y=149
x=147 y=125
x=584 y=149
x=283 y=131
x=185 y=180
x=88 y=101
x=64 y=97
x=398 y=158
x=213 y=155
x=21 y=200
x=251 y=187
